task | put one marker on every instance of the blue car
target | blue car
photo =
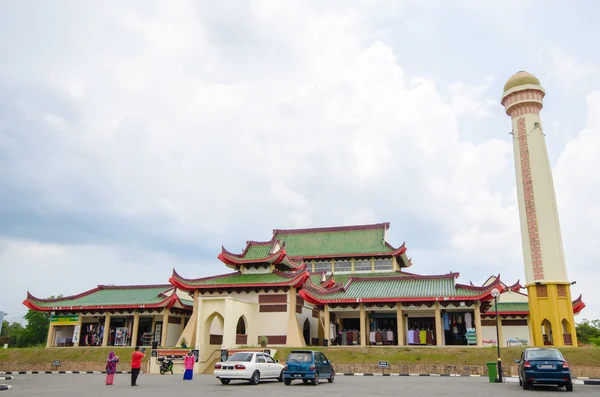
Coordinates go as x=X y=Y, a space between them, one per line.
x=540 y=366
x=308 y=366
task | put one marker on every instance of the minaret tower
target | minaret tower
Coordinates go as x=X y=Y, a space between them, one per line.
x=550 y=308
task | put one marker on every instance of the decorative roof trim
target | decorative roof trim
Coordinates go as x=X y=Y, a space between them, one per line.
x=168 y=302
x=374 y=226
x=99 y=288
x=292 y=279
x=310 y=288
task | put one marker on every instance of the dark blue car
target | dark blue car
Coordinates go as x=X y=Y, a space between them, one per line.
x=540 y=366
x=308 y=366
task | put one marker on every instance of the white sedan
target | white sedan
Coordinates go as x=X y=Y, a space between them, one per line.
x=250 y=366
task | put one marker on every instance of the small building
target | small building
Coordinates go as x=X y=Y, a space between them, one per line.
x=111 y=315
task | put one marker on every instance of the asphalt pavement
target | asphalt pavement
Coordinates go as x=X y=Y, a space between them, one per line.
x=93 y=385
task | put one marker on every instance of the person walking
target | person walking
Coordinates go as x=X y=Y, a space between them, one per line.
x=136 y=364
x=188 y=363
x=111 y=368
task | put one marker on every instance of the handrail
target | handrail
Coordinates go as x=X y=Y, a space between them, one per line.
x=210 y=357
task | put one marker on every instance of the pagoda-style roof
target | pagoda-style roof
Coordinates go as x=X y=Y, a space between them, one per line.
x=522 y=308
x=240 y=280
x=261 y=252
x=508 y=308
x=105 y=297
x=392 y=287
x=319 y=243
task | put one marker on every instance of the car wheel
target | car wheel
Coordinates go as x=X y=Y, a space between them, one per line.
x=569 y=386
x=332 y=377
x=255 y=378
x=287 y=382
x=316 y=380
x=280 y=376
x=525 y=385
x=225 y=381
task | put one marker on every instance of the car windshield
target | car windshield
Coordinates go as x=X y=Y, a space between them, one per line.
x=544 y=355
x=246 y=357
x=301 y=357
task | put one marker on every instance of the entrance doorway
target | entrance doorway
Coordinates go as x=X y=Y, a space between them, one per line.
x=306 y=332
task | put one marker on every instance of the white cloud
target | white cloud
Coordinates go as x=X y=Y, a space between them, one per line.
x=200 y=126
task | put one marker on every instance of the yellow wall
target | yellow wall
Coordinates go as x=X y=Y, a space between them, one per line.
x=553 y=308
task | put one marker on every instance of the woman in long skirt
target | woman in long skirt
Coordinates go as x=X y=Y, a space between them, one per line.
x=111 y=367
x=188 y=363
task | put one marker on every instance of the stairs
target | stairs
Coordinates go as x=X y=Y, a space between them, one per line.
x=211 y=367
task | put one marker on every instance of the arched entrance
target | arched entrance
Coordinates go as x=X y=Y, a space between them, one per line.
x=566 y=330
x=213 y=329
x=241 y=336
x=547 y=333
x=306 y=332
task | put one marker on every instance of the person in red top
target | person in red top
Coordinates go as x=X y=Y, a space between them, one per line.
x=136 y=364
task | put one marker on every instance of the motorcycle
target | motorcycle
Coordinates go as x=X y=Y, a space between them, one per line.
x=166 y=365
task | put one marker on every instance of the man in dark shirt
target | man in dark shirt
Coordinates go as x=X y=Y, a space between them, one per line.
x=136 y=364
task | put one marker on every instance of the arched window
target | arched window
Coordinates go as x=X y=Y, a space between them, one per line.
x=547 y=332
x=240 y=329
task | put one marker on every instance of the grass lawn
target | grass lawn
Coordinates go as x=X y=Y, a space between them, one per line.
x=583 y=356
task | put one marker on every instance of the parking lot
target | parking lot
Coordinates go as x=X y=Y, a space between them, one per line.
x=92 y=385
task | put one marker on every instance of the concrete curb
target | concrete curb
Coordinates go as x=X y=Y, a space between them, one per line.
x=5 y=387
x=581 y=380
x=576 y=380
x=393 y=374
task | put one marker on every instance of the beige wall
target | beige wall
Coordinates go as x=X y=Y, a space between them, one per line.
x=553 y=262
x=508 y=332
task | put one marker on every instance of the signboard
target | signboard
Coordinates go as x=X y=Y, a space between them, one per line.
x=56 y=363
x=64 y=320
x=383 y=364
x=76 y=334
x=196 y=354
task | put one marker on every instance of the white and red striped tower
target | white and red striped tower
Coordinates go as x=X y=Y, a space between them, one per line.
x=550 y=308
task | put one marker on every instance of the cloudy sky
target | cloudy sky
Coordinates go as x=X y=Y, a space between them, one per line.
x=140 y=136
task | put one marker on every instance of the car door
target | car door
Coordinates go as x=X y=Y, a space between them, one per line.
x=273 y=367
x=521 y=371
x=262 y=366
x=326 y=364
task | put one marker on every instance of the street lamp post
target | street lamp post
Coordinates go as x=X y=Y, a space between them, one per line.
x=495 y=294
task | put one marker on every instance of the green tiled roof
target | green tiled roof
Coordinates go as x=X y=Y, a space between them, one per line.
x=505 y=307
x=110 y=296
x=343 y=278
x=405 y=287
x=240 y=279
x=258 y=251
x=335 y=242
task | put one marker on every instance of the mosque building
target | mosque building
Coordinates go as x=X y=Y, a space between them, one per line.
x=347 y=285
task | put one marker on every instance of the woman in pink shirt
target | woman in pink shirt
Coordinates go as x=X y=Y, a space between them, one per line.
x=188 y=363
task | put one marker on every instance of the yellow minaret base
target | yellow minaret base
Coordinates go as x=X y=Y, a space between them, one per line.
x=551 y=315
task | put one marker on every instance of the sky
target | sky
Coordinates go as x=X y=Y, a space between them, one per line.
x=137 y=137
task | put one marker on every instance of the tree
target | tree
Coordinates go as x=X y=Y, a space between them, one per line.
x=37 y=327
x=588 y=332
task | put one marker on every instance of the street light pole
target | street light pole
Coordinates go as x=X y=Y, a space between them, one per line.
x=495 y=294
